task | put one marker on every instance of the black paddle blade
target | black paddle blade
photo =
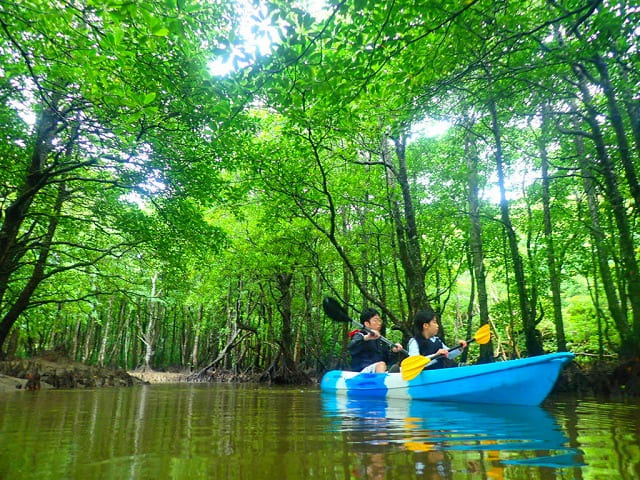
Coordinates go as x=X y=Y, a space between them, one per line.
x=334 y=310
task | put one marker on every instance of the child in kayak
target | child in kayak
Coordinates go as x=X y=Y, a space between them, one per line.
x=426 y=341
x=368 y=352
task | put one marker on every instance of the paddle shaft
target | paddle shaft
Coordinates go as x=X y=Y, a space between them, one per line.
x=438 y=355
x=385 y=340
x=335 y=311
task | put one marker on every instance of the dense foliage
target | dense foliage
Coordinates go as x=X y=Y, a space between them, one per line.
x=155 y=213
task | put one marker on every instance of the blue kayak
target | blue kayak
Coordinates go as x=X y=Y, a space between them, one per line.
x=526 y=381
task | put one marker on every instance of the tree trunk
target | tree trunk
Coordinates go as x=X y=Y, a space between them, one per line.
x=174 y=339
x=184 y=334
x=615 y=117
x=88 y=341
x=470 y=309
x=15 y=214
x=554 y=270
x=23 y=298
x=532 y=339
x=105 y=333
x=407 y=234
x=603 y=253
x=630 y=341
x=148 y=338
x=136 y=335
x=196 y=339
x=475 y=243
x=283 y=285
x=13 y=250
x=347 y=285
x=596 y=302
x=76 y=340
x=632 y=107
x=125 y=348
x=119 y=345
x=310 y=330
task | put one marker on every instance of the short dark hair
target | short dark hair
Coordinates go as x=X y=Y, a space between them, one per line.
x=422 y=317
x=367 y=314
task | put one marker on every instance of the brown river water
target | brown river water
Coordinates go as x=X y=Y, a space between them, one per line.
x=186 y=431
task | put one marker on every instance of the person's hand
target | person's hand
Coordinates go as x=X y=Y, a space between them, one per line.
x=372 y=335
x=463 y=344
x=444 y=352
x=396 y=348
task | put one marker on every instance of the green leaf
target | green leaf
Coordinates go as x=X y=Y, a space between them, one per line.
x=161 y=32
x=118 y=35
x=148 y=98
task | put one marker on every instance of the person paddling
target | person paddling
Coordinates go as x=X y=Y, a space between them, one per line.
x=369 y=354
x=426 y=341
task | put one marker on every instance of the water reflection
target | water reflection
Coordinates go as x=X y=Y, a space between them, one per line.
x=493 y=436
x=258 y=433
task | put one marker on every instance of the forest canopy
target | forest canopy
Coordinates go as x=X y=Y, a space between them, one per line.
x=156 y=211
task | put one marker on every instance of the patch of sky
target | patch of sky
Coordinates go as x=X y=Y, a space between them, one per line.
x=257 y=35
x=428 y=128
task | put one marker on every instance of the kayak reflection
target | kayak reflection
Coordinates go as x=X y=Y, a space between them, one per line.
x=510 y=434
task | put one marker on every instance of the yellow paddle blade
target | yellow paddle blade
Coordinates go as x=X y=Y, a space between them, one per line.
x=418 y=446
x=412 y=366
x=483 y=335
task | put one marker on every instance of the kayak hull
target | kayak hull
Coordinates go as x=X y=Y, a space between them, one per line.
x=526 y=381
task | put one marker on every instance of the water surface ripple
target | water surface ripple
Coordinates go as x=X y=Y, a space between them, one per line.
x=255 y=432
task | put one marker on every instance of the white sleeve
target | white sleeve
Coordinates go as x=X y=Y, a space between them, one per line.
x=413 y=347
x=454 y=353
